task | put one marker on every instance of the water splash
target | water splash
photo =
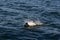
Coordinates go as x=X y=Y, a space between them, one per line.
x=33 y=22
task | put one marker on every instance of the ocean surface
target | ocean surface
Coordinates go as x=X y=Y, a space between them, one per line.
x=13 y=13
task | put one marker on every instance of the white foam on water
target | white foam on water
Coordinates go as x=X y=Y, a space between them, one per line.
x=33 y=23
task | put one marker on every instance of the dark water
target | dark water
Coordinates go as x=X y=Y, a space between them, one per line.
x=14 y=12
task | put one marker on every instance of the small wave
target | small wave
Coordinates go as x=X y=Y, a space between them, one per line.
x=33 y=22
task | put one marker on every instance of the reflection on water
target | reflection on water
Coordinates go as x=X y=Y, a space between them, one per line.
x=13 y=13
